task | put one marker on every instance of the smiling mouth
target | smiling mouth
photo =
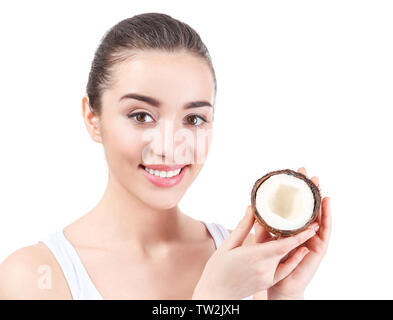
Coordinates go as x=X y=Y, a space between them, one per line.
x=163 y=171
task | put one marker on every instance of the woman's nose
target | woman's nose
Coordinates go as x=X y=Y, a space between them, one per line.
x=170 y=143
x=164 y=140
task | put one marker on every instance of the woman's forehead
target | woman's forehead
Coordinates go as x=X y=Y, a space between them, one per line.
x=165 y=75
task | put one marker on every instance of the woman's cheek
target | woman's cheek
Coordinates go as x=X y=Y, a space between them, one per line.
x=132 y=147
x=202 y=145
x=208 y=143
x=125 y=144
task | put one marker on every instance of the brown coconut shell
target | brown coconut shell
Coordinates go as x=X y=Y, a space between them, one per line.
x=317 y=202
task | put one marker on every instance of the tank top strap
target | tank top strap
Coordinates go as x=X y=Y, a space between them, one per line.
x=217 y=231
x=79 y=282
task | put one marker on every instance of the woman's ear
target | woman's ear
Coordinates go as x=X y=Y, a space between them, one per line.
x=92 y=120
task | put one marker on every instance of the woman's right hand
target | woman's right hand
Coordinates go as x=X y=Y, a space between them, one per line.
x=236 y=271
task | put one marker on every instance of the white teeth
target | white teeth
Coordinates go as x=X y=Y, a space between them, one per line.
x=163 y=174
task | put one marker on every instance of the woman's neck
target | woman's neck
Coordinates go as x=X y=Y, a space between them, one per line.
x=121 y=218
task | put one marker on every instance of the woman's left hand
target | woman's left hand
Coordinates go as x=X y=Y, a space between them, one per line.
x=306 y=259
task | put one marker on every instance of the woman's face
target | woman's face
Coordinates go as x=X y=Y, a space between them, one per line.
x=156 y=120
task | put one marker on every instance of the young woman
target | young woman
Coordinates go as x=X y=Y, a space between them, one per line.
x=151 y=82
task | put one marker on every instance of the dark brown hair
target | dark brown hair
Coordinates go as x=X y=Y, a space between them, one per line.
x=144 y=31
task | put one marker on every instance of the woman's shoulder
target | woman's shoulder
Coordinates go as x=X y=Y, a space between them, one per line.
x=32 y=272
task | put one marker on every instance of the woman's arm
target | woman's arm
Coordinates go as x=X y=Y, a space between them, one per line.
x=32 y=273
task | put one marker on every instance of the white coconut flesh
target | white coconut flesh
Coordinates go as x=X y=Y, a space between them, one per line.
x=284 y=202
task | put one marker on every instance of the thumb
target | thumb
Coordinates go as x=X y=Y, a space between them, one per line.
x=241 y=231
x=261 y=234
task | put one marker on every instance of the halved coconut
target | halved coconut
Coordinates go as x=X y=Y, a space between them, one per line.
x=285 y=202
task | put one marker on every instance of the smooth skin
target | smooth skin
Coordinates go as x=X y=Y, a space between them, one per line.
x=267 y=267
x=136 y=243
x=236 y=271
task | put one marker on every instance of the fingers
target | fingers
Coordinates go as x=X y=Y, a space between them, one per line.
x=302 y=170
x=261 y=234
x=282 y=247
x=284 y=269
x=315 y=180
x=326 y=220
x=239 y=234
x=287 y=256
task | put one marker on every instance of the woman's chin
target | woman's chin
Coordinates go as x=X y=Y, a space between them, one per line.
x=163 y=204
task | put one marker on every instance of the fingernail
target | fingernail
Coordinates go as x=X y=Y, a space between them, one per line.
x=316 y=227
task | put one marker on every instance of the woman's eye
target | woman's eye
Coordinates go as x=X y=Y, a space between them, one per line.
x=141 y=117
x=195 y=120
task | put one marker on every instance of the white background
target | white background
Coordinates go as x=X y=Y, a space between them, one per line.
x=300 y=83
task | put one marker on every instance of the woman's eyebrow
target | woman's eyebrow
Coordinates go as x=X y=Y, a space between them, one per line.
x=156 y=103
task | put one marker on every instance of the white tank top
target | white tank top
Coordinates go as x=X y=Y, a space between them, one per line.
x=79 y=281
